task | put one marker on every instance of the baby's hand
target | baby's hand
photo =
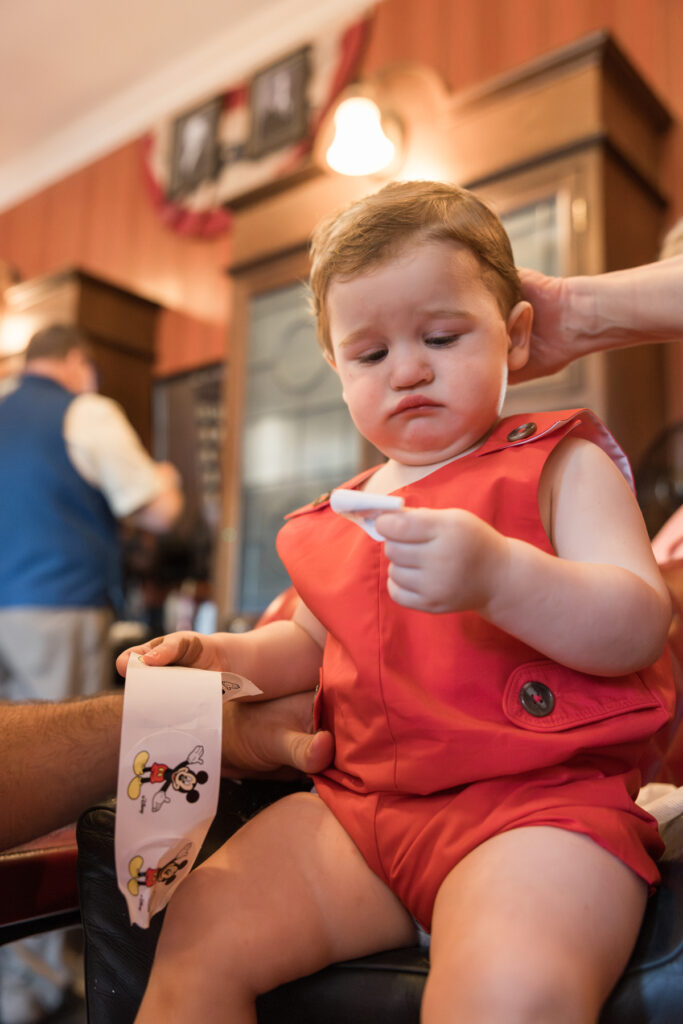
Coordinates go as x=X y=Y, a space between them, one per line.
x=441 y=560
x=183 y=648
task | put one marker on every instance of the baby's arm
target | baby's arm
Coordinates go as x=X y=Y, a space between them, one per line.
x=281 y=658
x=600 y=607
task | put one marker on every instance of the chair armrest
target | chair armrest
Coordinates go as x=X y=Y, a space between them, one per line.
x=39 y=886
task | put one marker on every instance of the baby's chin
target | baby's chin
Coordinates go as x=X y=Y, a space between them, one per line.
x=439 y=457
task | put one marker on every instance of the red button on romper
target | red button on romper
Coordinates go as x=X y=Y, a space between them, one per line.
x=435 y=751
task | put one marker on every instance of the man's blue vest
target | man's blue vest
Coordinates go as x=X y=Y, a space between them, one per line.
x=58 y=538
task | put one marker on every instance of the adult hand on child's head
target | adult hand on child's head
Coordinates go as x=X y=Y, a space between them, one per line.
x=261 y=738
x=440 y=560
x=195 y=650
x=553 y=342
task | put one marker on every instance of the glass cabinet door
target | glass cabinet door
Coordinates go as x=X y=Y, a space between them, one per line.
x=298 y=440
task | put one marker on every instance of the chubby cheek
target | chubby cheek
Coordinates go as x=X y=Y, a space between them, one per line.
x=363 y=402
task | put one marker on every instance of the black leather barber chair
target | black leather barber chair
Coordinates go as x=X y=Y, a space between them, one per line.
x=381 y=989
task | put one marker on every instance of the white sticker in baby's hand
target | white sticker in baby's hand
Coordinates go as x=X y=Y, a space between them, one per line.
x=363 y=508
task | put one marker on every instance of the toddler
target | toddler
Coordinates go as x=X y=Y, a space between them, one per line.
x=492 y=670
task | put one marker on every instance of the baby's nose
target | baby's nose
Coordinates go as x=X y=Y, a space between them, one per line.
x=412 y=370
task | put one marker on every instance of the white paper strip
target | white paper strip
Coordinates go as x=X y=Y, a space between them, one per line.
x=169 y=776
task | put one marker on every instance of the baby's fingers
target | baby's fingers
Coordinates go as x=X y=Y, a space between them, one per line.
x=173 y=649
x=411 y=525
x=124 y=657
x=406 y=554
x=183 y=648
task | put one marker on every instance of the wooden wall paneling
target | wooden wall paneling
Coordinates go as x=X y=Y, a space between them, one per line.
x=393 y=32
x=638 y=22
x=214 y=348
x=204 y=288
x=148 y=256
x=101 y=216
x=152 y=246
x=194 y=340
x=170 y=343
x=65 y=224
x=119 y=173
x=26 y=233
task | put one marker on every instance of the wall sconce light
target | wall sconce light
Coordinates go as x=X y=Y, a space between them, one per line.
x=389 y=124
x=366 y=141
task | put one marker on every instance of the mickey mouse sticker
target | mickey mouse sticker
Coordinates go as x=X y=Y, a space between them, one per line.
x=183 y=778
x=165 y=874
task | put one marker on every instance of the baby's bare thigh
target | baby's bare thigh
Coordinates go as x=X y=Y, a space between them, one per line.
x=538 y=920
x=288 y=894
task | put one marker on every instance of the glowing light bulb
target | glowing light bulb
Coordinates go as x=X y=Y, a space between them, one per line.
x=359 y=145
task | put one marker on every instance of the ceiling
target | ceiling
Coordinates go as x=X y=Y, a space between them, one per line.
x=81 y=77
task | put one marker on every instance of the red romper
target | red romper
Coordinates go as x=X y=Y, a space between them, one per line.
x=447 y=729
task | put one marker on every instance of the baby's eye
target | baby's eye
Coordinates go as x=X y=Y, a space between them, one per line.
x=373 y=357
x=438 y=340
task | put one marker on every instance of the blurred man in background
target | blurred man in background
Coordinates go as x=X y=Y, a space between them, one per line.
x=71 y=469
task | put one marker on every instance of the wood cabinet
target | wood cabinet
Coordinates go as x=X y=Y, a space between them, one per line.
x=569 y=150
x=579 y=131
x=119 y=325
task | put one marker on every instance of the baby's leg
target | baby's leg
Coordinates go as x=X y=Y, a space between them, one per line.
x=287 y=895
x=536 y=925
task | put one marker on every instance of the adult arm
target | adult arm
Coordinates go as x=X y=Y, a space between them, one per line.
x=107 y=452
x=160 y=513
x=575 y=316
x=61 y=758
x=58 y=759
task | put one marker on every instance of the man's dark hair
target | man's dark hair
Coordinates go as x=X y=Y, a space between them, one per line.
x=55 y=342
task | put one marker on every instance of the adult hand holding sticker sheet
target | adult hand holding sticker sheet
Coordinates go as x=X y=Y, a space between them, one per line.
x=169 y=775
x=363 y=508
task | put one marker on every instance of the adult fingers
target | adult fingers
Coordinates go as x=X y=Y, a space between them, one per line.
x=308 y=753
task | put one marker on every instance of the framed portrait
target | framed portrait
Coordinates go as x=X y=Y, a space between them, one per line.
x=195 y=149
x=278 y=104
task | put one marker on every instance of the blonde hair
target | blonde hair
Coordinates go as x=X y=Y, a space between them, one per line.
x=377 y=227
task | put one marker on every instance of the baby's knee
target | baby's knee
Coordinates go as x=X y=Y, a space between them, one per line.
x=521 y=990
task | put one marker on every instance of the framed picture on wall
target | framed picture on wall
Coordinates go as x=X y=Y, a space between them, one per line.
x=195 y=148
x=278 y=104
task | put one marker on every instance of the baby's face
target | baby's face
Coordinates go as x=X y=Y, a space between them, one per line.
x=422 y=350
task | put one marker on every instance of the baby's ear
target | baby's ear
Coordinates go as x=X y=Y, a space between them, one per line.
x=330 y=359
x=518 y=325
